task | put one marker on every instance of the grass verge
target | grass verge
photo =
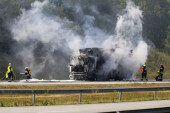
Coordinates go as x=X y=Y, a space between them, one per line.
x=60 y=99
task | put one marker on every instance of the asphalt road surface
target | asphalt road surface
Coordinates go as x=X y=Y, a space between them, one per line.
x=69 y=82
x=90 y=108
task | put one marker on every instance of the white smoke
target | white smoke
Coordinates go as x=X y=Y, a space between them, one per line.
x=34 y=25
x=130 y=49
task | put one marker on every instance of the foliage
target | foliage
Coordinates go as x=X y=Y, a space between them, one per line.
x=156 y=21
x=155 y=58
x=58 y=99
x=155 y=26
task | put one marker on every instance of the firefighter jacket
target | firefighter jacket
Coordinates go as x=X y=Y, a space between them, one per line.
x=28 y=72
x=144 y=70
x=161 y=69
x=7 y=74
x=10 y=69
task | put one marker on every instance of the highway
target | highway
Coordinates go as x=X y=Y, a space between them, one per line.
x=73 y=82
x=91 y=108
x=123 y=107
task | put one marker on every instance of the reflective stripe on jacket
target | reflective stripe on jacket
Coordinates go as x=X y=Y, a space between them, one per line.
x=27 y=72
x=7 y=74
x=10 y=69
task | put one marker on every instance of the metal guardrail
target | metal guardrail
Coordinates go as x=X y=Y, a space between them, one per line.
x=80 y=91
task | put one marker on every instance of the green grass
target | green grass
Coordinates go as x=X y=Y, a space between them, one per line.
x=64 y=99
x=60 y=99
x=155 y=58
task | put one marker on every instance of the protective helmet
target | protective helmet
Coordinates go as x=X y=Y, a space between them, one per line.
x=10 y=64
x=26 y=67
x=144 y=65
x=161 y=64
x=158 y=71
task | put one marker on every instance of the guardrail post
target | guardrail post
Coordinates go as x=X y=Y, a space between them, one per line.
x=120 y=96
x=33 y=98
x=80 y=98
x=155 y=95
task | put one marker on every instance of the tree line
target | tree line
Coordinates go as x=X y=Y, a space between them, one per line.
x=156 y=21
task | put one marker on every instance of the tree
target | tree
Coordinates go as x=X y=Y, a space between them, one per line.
x=156 y=20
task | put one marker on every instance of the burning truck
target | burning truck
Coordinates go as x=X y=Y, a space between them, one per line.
x=90 y=64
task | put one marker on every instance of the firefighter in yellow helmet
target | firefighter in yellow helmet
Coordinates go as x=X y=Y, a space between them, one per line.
x=9 y=73
x=27 y=73
x=158 y=78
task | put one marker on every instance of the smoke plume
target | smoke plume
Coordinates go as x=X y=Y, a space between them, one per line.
x=46 y=41
x=130 y=49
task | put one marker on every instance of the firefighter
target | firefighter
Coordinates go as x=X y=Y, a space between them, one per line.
x=9 y=73
x=144 y=73
x=161 y=70
x=27 y=73
x=158 y=78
